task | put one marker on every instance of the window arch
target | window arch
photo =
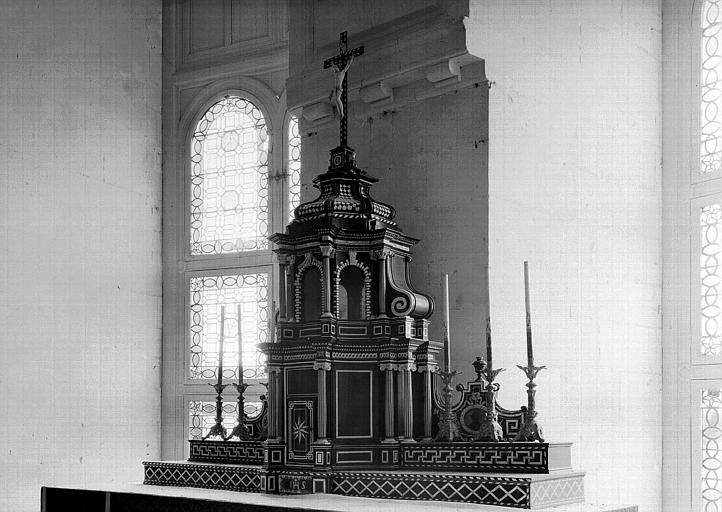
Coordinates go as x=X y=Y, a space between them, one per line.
x=231 y=195
x=229 y=179
x=293 y=165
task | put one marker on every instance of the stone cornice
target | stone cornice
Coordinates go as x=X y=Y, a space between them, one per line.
x=420 y=55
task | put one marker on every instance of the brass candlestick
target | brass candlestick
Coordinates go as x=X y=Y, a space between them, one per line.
x=530 y=430
x=218 y=429
x=489 y=428
x=449 y=429
x=240 y=430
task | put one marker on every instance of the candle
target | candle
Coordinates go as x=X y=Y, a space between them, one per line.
x=240 y=347
x=529 y=350
x=220 y=346
x=447 y=336
x=488 y=345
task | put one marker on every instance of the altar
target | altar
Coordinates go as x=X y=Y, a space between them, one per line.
x=361 y=402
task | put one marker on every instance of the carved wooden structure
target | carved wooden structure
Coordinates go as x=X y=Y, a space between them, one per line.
x=351 y=407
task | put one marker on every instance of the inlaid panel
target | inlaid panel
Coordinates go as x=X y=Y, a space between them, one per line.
x=354 y=404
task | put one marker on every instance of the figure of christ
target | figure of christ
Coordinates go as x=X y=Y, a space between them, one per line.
x=336 y=95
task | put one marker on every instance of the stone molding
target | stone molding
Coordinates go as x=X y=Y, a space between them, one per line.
x=418 y=56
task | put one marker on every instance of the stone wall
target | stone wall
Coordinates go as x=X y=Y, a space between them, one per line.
x=80 y=188
x=575 y=188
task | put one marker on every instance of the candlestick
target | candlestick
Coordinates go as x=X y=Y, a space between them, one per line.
x=240 y=430
x=447 y=335
x=530 y=429
x=449 y=429
x=218 y=429
x=489 y=428
x=529 y=348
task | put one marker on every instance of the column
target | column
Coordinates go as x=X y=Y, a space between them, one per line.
x=381 y=255
x=283 y=298
x=274 y=402
x=407 y=418
x=327 y=251
x=322 y=368
x=428 y=397
x=390 y=432
x=272 y=433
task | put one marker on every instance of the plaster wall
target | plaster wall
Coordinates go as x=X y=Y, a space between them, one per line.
x=575 y=188
x=80 y=191
x=431 y=161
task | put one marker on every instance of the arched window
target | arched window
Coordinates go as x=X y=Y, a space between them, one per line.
x=229 y=179
x=231 y=199
x=294 y=166
x=706 y=265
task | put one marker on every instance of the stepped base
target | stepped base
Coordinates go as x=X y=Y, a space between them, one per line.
x=528 y=491
x=132 y=497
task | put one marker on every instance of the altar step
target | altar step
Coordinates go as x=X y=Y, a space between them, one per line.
x=134 y=497
x=527 y=491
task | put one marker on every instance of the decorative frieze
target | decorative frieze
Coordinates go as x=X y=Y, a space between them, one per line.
x=237 y=452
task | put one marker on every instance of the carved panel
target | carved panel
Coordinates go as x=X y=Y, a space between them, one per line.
x=300 y=431
x=511 y=492
x=249 y=20
x=210 y=476
x=478 y=457
x=236 y=452
x=205 y=25
x=354 y=404
x=225 y=30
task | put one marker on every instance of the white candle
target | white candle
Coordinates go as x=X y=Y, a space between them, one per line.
x=220 y=345
x=447 y=331
x=240 y=347
x=529 y=348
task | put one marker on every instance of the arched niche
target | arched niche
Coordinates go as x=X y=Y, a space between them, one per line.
x=352 y=294
x=311 y=294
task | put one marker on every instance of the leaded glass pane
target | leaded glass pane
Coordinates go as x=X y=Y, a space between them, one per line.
x=711 y=456
x=202 y=415
x=207 y=295
x=229 y=179
x=711 y=88
x=294 y=166
x=710 y=274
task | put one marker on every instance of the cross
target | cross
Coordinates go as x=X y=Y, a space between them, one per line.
x=341 y=63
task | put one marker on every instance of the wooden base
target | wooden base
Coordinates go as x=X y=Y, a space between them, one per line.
x=133 y=497
x=474 y=457
x=528 y=491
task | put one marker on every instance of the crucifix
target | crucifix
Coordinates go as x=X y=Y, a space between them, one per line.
x=341 y=63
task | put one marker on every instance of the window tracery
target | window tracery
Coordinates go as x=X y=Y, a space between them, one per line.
x=229 y=179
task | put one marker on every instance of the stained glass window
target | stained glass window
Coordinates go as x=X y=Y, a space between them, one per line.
x=711 y=88
x=710 y=276
x=711 y=408
x=294 y=166
x=229 y=179
x=203 y=415
x=207 y=295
